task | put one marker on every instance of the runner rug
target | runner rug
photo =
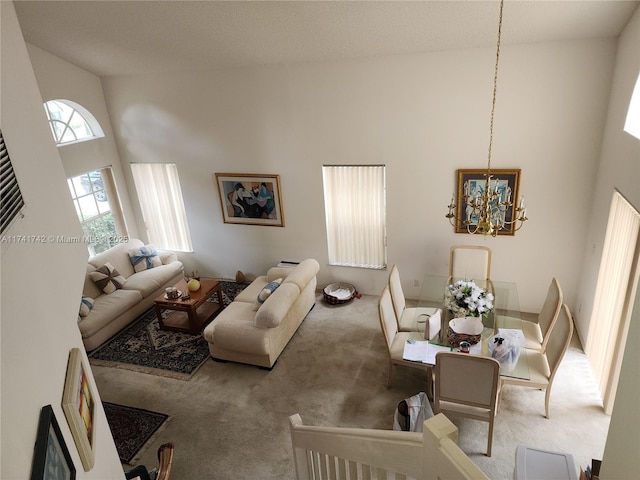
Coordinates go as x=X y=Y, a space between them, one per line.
x=143 y=347
x=132 y=429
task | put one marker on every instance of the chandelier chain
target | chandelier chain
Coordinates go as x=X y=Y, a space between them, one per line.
x=495 y=88
x=487 y=207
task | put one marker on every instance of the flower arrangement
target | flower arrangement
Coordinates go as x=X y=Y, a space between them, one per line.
x=466 y=299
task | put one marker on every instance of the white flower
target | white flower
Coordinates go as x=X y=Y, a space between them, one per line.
x=465 y=298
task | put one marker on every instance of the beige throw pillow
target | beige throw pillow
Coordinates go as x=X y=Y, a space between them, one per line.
x=107 y=278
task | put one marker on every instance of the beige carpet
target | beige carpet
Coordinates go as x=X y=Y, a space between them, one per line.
x=230 y=421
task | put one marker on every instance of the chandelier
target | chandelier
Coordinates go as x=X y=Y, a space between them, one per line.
x=484 y=210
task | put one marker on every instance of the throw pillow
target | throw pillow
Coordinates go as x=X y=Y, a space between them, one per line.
x=86 y=304
x=107 y=278
x=266 y=292
x=144 y=258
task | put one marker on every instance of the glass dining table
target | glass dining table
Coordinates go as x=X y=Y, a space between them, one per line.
x=506 y=311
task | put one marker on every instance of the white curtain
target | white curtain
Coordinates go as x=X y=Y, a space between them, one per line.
x=160 y=196
x=615 y=291
x=354 y=199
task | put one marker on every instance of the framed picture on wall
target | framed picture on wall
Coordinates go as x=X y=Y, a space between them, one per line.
x=51 y=459
x=79 y=406
x=250 y=199
x=472 y=183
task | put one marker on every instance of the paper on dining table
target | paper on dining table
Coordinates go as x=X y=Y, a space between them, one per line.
x=422 y=351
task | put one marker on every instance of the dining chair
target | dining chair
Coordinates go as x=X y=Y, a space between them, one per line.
x=411 y=319
x=470 y=262
x=543 y=366
x=468 y=386
x=396 y=340
x=162 y=472
x=537 y=334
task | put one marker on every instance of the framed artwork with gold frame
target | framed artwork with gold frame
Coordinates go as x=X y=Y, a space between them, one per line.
x=473 y=182
x=79 y=406
x=250 y=199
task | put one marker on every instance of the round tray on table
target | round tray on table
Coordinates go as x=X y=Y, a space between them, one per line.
x=339 y=293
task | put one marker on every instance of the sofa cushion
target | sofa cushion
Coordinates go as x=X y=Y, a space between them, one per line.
x=276 y=307
x=107 y=278
x=266 y=292
x=303 y=273
x=106 y=308
x=278 y=272
x=118 y=256
x=86 y=304
x=250 y=293
x=234 y=330
x=145 y=257
x=148 y=281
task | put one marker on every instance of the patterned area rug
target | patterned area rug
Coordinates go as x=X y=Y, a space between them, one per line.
x=132 y=428
x=143 y=347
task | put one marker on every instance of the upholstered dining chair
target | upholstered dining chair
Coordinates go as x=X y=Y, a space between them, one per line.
x=396 y=340
x=470 y=262
x=537 y=334
x=468 y=386
x=409 y=319
x=543 y=366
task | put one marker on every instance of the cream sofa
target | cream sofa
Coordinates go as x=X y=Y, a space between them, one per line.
x=241 y=333
x=111 y=313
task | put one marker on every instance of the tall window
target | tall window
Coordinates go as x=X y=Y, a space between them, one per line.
x=71 y=122
x=98 y=209
x=160 y=196
x=354 y=203
x=613 y=302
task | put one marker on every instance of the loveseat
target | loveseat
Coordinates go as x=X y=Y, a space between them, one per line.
x=131 y=289
x=249 y=332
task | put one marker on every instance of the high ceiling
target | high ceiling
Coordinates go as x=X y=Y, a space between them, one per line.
x=151 y=36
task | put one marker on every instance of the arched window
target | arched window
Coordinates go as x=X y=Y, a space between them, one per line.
x=632 y=124
x=71 y=122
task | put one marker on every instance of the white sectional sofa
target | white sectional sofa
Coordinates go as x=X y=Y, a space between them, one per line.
x=112 y=312
x=240 y=333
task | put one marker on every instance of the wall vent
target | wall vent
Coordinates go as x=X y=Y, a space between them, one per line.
x=11 y=201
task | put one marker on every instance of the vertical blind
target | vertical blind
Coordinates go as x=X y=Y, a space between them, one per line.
x=10 y=195
x=158 y=188
x=614 y=292
x=354 y=200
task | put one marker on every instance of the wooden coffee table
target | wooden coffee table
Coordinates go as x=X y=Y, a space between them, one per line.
x=190 y=316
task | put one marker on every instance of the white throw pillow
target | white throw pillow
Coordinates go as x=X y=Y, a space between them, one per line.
x=144 y=258
x=266 y=292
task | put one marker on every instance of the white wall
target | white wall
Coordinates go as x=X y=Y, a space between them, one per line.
x=423 y=116
x=619 y=168
x=59 y=79
x=41 y=282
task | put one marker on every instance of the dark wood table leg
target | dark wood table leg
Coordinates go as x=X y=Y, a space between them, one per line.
x=159 y=314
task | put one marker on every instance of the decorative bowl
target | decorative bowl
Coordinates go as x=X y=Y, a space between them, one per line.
x=465 y=329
